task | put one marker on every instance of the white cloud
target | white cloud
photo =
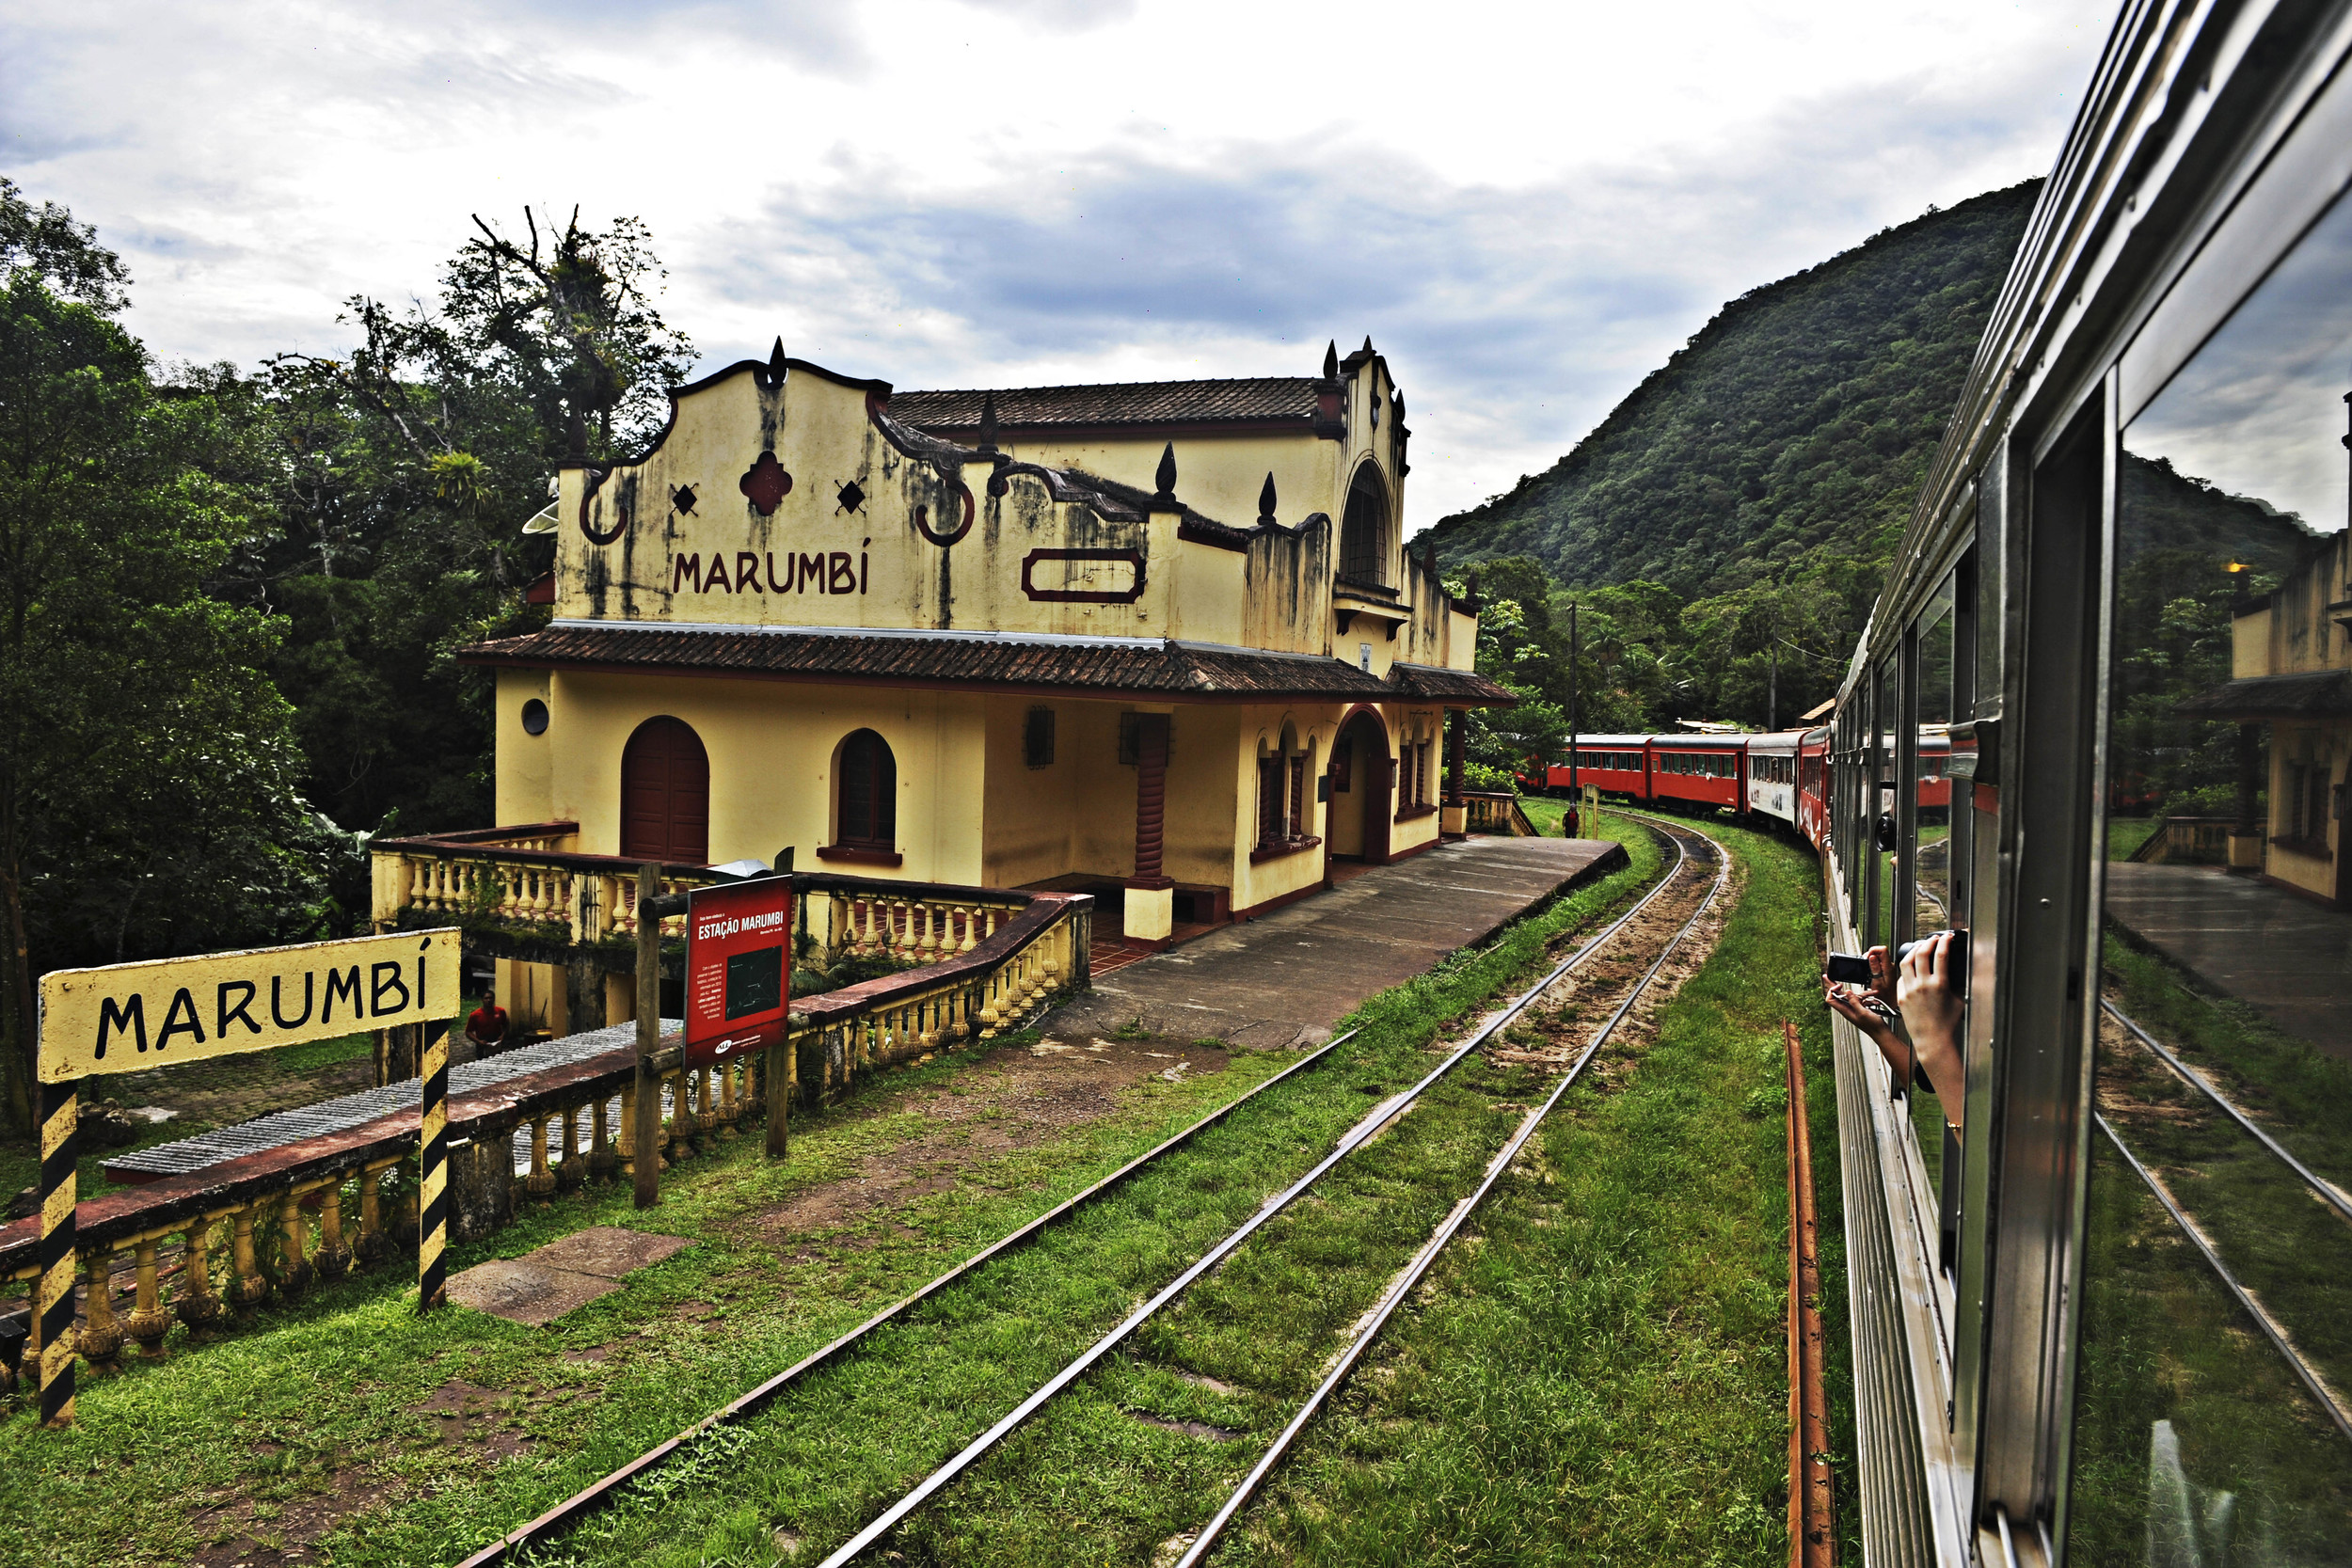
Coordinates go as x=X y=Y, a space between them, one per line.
x=1527 y=209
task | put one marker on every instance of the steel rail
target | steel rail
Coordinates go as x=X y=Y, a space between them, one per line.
x=2325 y=1190
x=573 y=1509
x=1402 y=1286
x=2245 y=1298
x=1379 y=1117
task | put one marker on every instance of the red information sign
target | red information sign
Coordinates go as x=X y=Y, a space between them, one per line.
x=739 y=970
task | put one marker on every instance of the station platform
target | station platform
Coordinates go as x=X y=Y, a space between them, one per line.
x=1281 y=980
x=2286 y=957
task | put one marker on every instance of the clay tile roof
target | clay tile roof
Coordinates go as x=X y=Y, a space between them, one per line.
x=1290 y=398
x=1076 y=665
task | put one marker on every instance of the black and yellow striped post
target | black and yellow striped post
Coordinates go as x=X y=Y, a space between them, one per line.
x=432 y=1171
x=52 y=1305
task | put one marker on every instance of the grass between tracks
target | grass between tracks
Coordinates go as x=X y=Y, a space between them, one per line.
x=1594 y=1373
x=328 y=1403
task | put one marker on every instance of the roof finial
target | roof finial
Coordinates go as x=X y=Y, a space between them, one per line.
x=1265 y=499
x=775 y=360
x=988 y=422
x=1167 y=475
x=1331 y=361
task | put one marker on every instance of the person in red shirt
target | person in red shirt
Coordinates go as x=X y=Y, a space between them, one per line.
x=486 y=1025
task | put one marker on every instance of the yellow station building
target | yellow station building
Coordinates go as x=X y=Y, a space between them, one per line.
x=1161 y=642
x=2290 y=660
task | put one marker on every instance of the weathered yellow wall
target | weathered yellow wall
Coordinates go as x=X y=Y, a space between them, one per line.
x=1217 y=476
x=525 y=762
x=771 y=747
x=816 y=563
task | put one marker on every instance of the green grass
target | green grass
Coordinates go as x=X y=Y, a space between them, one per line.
x=1595 y=1373
x=2162 y=1339
x=2126 y=835
x=835 y=1454
x=321 y=1394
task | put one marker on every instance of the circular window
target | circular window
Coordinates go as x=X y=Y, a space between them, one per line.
x=534 y=717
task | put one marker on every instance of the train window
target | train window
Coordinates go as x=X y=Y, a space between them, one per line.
x=1882 y=804
x=2210 y=1401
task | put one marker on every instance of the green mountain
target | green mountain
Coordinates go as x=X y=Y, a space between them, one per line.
x=1791 y=433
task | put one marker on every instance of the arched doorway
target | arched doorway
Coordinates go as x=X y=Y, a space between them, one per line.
x=1360 y=785
x=1365 y=528
x=665 y=794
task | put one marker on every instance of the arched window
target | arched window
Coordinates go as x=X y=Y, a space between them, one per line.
x=868 y=783
x=665 y=794
x=1364 y=530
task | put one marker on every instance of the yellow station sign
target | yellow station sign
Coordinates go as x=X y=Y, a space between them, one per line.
x=125 y=1017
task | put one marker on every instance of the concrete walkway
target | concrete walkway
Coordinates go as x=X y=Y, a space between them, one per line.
x=1281 y=980
x=2286 y=957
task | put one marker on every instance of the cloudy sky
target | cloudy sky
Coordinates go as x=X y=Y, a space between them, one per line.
x=1527 y=208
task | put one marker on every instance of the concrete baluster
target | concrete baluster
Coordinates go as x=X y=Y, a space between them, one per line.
x=196 y=1305
x=373 y=1244
x=333 y=1257
x=540 y=1183
x=681 y=1118
x=568 y=1174
x=148 y=1323
x=101 y=1341
x=730 y=1108
x=251 y=1288
x=706 y=1106
x=602 y=1161
x=293 y=1258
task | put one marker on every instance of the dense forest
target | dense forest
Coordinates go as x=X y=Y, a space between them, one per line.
x=1725 y=530
x=232 y=598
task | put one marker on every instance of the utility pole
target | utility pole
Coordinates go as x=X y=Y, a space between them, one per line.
x=1576 y=695
x=1772 y=692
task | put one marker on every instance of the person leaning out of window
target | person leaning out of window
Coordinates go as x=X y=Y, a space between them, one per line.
x=1912 y=1010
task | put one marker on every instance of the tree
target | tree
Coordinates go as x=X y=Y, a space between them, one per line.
x=402 y=472
x=149 y=799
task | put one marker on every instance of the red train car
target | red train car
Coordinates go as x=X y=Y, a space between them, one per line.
x=1699 y=770
x=1615 y=764
x=1813 y=786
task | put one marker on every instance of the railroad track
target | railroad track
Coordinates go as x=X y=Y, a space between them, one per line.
x=1693 y=853
x=2325 y=1192
x=1685 y=839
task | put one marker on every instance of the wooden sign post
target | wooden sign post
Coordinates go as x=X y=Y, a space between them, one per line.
x=128 y=1018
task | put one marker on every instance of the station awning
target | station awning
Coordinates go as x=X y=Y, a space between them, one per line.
x=2310 y=695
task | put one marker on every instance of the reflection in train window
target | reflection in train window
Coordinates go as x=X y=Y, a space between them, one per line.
x=1931 y=848
x=2216 y=1347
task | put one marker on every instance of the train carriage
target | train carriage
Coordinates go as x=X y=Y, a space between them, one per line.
x=1614 y=764
x=1771 y=783
x=2100 y=1252
x=1699 y=770
x=1813 y=786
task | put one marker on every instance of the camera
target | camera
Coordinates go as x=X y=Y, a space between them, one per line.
x=1852 y=969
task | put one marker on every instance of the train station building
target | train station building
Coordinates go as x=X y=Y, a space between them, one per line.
x=1161 y=642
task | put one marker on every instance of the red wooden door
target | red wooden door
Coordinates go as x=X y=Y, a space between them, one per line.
x=665 y=794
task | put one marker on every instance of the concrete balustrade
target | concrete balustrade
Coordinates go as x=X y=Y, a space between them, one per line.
x=229 y=1237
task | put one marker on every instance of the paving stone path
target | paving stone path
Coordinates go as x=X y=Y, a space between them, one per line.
x=1281 y=980
x=542 y=1285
